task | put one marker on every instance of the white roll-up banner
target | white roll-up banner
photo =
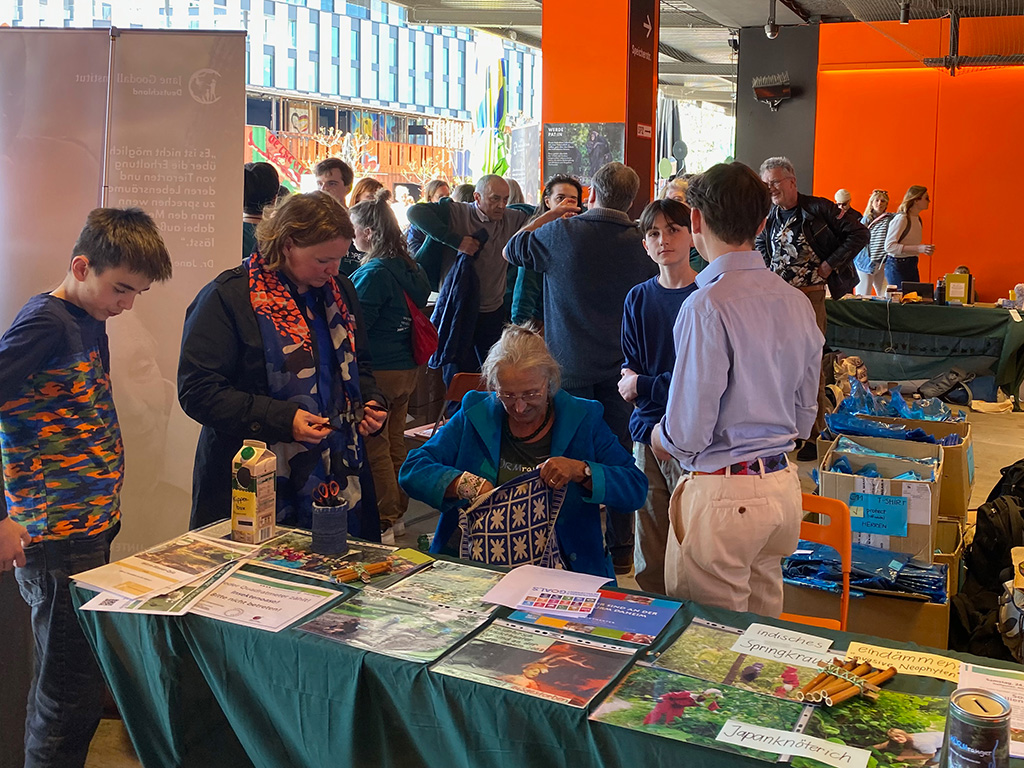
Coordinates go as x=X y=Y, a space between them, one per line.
x=53 y=106
x=173 y=146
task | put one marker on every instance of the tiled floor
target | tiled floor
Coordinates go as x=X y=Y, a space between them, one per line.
x=998 y=441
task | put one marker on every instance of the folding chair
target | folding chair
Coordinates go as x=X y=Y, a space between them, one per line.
x=461 y=384
x=837 y=535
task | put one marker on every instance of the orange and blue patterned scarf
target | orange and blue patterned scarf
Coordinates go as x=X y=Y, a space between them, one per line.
x=288 y=346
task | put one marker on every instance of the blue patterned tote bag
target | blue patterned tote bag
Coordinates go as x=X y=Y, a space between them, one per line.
x=514 y=524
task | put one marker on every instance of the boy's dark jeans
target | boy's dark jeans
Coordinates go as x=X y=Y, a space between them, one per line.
x=66 y=697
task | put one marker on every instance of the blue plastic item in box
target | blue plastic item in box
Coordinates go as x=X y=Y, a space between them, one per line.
x=818 y=566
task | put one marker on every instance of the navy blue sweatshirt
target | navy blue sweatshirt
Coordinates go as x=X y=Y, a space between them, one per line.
x=650 y=350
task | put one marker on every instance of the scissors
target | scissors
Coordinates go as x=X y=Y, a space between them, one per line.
x=327 y=494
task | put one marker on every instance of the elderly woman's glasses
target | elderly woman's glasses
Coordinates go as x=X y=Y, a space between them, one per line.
x=530 y=398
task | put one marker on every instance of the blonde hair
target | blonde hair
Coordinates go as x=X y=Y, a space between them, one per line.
x=305 y=219
x=522 y=348
x=677 y=184
x=877 y=194
x=915 y=193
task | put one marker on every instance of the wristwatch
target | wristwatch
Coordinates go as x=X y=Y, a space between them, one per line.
x=588 y=474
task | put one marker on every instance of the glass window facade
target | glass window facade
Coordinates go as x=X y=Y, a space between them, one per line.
x=375 y=54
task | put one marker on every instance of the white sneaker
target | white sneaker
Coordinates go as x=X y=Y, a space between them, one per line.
x=388 y=537
x=398 y=528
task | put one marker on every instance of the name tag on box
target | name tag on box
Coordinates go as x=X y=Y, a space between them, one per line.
x=878 y=514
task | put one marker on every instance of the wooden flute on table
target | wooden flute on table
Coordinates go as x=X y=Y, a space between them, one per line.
x=842 y=680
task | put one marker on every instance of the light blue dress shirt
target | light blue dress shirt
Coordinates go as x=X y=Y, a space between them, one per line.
x=748 y=361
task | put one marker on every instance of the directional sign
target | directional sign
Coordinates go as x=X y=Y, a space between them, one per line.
x=641 y=64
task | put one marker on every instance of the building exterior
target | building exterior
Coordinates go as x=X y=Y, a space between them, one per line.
x=361 y=52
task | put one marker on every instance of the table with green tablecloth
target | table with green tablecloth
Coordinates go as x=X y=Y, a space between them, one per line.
x=198 y=692
x=900 y=342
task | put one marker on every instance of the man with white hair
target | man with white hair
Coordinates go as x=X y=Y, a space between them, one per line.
x=457 y=225
x=807 y=243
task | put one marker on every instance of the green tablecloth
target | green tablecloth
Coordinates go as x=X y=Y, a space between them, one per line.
x=918 y=341
x=198 y=692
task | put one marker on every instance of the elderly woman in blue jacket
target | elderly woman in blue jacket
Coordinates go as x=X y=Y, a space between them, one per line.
x=526 y=423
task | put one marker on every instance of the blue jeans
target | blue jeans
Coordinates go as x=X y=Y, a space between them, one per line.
x=903 y=268
x=65 y=700
x=618 y=533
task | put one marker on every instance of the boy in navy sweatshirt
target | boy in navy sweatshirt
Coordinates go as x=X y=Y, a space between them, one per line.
x=647 y=344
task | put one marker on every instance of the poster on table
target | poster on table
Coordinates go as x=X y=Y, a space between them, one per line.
x=253 y=599
x=175 y=149
x=579 y=149
x=163 y=568
x=395 y=626
x=537 y=663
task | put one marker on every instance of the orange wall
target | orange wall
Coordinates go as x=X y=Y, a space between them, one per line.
x=584 y=50
x=886 y=121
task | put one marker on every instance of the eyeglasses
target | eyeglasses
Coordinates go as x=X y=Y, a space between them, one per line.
x=776 y=183
x=530 y=398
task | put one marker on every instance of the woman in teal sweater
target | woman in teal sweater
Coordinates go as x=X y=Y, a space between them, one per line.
x=387 y=275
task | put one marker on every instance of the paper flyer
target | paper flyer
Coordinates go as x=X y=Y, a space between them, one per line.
x=685 y=708
x=174 y=603
x=907 y=662
x=518 y=582
x=706 y=650
x=395 y=626
x=787 y=743
x=163 y=568
x=536 y=663
x=784 y=645
x=251 y=599
x=453 y=584
x=620 y=616
x=1007 y=683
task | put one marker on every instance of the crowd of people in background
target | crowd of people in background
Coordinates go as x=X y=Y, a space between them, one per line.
x=657 y=370
x=579 y=273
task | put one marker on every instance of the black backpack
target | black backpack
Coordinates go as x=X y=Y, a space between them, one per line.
x=974 y=614
x=1000 y=528
x=1011 y=484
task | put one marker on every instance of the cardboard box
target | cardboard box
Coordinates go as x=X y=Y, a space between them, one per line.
x=876 y=495
x=253 y=493
x=957 y=461
x=905 y=619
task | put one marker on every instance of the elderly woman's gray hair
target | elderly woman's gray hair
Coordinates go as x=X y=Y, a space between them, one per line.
x=522 y=349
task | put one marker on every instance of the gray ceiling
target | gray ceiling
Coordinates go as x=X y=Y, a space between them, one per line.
x=695 y=58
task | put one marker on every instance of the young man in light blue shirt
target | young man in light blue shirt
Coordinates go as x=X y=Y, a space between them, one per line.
x=744 y=387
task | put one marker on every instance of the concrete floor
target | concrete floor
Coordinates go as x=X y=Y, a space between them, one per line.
x=998 y=441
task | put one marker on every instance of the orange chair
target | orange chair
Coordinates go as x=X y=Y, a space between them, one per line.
x=461 y=384
x=837 y=535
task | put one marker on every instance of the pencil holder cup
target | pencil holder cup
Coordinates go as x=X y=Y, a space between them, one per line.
x=330 y=529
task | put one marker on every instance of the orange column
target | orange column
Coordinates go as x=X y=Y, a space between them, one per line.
x=600 y=66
